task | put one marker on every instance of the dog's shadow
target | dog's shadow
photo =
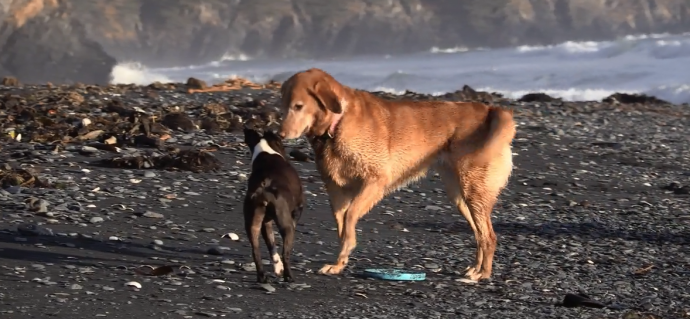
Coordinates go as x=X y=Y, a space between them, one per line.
x=554 y=229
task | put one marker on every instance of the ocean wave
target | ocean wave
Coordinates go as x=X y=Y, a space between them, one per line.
x=449 y=50
x=235 y=57
x=677 y=94
x=585 y=70
x=571 y=94
x=135 y=73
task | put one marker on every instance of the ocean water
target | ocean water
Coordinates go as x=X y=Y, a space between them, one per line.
x=657 y=64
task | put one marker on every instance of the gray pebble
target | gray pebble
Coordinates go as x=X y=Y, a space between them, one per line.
x=96 y=220
x=268 y=287
x=151 y=214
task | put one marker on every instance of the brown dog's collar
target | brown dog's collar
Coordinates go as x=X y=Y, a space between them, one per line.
x=330 y=132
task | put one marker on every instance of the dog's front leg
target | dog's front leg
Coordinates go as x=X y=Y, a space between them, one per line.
x=340 y=199
x=369 y=194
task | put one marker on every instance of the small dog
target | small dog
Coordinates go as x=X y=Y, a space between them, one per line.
x=274 y=193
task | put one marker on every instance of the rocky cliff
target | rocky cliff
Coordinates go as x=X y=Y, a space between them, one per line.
x=76 y=40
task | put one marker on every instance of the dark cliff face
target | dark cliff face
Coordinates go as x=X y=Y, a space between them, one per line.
x=43 y=42
x=182 y=32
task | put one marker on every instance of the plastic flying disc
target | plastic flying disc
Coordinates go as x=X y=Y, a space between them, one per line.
x=394 y=274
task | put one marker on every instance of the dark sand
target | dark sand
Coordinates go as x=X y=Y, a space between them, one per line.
x=588 y=209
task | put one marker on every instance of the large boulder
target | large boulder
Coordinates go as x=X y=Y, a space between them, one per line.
x=53 y=47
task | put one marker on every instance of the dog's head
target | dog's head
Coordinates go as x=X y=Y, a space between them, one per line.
x=310 y=101
x=268 y=142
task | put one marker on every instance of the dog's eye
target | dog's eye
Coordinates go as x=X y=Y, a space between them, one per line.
x=298 y=107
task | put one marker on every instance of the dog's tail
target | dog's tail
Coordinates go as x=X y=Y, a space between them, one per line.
x=501 y=132
x=264 y=193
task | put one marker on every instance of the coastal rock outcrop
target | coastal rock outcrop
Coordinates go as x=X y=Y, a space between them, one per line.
x=42 y=41
x=159 y=33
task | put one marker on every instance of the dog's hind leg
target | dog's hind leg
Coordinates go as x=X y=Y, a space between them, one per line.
x=286 y=226
x=269 y=238
x=253 y=224
x=479 y=184
x=455 y=195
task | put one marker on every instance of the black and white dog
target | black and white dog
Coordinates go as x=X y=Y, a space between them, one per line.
x=274 y=193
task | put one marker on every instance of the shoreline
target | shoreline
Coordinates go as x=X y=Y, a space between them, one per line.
x=598 y=203
x=239 y=84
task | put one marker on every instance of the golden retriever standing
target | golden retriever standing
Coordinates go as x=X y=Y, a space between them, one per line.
x=367 y=147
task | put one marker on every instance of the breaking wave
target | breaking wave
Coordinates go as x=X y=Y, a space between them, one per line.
x=651 y=64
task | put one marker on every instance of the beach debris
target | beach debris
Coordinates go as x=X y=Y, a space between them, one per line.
x=10 y=81
x=626 y=98
x=580 y=300
x=229 y=85
x=196 y=84
x=20 y=177
x=147 y=270
x=538 y=97
x=195 y=160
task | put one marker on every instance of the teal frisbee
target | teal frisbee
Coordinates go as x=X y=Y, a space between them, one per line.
x=394 y=274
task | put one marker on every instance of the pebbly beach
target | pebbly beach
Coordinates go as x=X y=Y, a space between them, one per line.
x=115 y=200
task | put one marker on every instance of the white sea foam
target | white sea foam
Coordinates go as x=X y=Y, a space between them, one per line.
x=135 y=73
x=652 y=64
x=449 y=50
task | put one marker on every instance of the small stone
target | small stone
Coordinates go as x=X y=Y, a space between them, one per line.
x=232 y=236
x=34 y=230
x=14 y=190
x=158 y=242
x=151 y=214
x=215 y=251
x=268 y=287
x=96 y=220
x=42 y=206
x=88 y=150
x=149 y=174
x=133 y=285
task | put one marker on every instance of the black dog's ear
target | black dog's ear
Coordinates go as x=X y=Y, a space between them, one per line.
x=271 y=135
x=275 y=142
x=251 y=137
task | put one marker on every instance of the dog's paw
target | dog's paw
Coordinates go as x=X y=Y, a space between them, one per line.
x=261 y=278
x=331 y=270
x=473 y=275
x=471 y=272
x=277 y=265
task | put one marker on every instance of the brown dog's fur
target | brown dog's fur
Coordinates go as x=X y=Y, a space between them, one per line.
x=367 y=147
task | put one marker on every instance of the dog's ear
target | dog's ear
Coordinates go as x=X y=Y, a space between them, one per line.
x=251 y=137
x=324 y=93
x=271 y=135
x=275 y=142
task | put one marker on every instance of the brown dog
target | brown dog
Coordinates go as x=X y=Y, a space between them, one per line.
x=367 y=147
